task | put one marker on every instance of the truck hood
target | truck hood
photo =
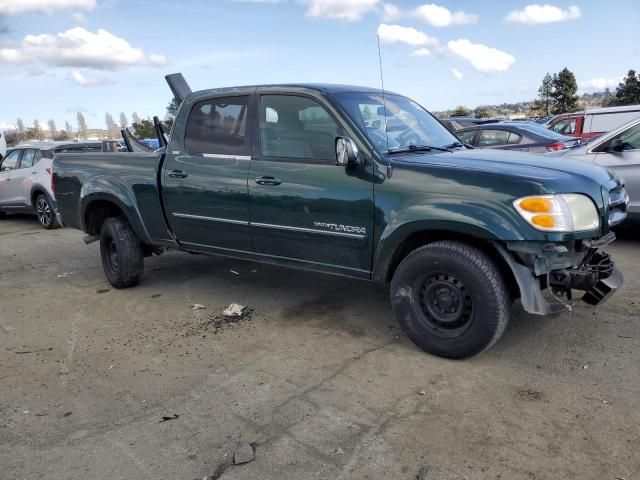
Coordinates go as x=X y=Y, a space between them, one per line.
x=555 y=170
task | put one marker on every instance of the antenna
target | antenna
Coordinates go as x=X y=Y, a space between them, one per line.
x=384 y=106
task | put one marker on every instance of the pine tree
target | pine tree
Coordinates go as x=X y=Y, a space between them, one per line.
x=545 y=93
x=82 y=126
x=68 y=128
x=123 y=120
x=564 y=92
x=37 y=130
x=135 y=118
x=628 y=91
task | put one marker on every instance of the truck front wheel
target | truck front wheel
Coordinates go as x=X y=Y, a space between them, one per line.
x=121 y=253
x=450 y=299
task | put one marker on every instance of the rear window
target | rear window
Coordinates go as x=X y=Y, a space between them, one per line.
x=218 y=126
x=543 y=132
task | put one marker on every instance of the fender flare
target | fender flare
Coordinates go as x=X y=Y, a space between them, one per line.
x=472 y=220
x=112 y=191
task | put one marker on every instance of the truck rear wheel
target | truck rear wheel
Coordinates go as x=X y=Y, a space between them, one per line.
x=121 y=253
x=450 y=299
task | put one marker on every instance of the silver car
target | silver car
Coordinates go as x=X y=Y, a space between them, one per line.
x=618 y=150
x=25 y=178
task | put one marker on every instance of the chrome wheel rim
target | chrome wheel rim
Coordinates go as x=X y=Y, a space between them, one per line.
x=43 y=210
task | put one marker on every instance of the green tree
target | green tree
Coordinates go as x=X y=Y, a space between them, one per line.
x=564 y=92
x=170 y=116
x=112 y=128
x=482 y=112
x=628 y=91
x=69 y=129
x=461 y=111
x=135 y=118
x=37 y=129
x=123 y=120
x=144 y=129
x=545 y=95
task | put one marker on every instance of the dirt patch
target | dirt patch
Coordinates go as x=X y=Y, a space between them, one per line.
x=528 y=394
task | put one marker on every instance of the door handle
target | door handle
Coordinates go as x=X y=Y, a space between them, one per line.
x=178 y=174
x=270 y=181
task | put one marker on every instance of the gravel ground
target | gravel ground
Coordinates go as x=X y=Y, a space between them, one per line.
x=317 y=377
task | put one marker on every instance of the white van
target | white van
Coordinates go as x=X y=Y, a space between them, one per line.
x=597 y=120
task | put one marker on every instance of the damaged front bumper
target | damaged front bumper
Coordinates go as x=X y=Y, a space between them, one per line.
x=547 y=273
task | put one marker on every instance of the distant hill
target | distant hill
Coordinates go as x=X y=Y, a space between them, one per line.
x=587 y=100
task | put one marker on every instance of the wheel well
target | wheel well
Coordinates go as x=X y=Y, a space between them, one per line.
x=35 y=194
x=97 y=212
x=419 y=239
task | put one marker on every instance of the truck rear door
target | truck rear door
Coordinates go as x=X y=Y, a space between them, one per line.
x=305 y=208
x=204 y=176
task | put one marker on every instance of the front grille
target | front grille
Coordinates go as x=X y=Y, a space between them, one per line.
x=618 y=203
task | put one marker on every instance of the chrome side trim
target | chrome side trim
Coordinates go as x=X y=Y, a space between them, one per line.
x=309 y=230
x=265 y=255
x=229 y=157
x=211 y=219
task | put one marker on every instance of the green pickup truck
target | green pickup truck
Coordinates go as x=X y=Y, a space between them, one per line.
x=362 y=183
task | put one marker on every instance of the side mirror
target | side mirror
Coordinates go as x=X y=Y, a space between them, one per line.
x=346 y=151
x=616 y=145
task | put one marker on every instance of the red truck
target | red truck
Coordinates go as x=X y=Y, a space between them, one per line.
x=593 y=121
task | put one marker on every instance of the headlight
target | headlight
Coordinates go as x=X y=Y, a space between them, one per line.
x=568 y=212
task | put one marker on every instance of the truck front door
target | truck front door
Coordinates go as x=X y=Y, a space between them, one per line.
x=305 y=208
x=204 y=176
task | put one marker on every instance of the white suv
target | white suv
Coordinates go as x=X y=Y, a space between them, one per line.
x=25 y=178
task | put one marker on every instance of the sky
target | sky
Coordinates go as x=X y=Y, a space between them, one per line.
x=58 y=57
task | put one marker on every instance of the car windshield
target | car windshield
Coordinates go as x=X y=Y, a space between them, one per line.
x=407 y=123
x=543 y=132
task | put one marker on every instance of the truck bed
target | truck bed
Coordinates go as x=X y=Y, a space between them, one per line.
x=131 y=179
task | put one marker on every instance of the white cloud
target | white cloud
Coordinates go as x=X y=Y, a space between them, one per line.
x=78 y=47
x=16 y=7
x=390 y=12
x=598 y=84
x=408 y=35
x=538 y=14
x=255 y=1
x=349 y=10
x=88 y=80
x=484 y=59
x=457 y=73
x=421 y=52
x=78 y=17
x=439 y=16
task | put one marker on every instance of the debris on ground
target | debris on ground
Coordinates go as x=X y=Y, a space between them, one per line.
x=234 y=272
x=166 y=419
x=233 y=310
x=422 y=392
x=197 y=306
x=66 y=414
x=339 y=451
x=529 y=394
x=67 y=274
x=34 y=351
x=243 y=454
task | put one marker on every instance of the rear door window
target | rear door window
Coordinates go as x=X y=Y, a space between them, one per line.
x=11 y=161
x=29 y=158
x=490 y=138
x=218 y=126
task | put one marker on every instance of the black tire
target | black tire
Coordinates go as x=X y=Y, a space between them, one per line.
x=45 y=212
x=450 y=299
x=121 y=253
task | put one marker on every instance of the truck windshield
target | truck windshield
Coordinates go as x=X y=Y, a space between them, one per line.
x=407 y=123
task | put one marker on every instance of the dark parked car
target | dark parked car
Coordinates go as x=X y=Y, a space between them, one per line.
x=522 y=136
x=457 y=123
